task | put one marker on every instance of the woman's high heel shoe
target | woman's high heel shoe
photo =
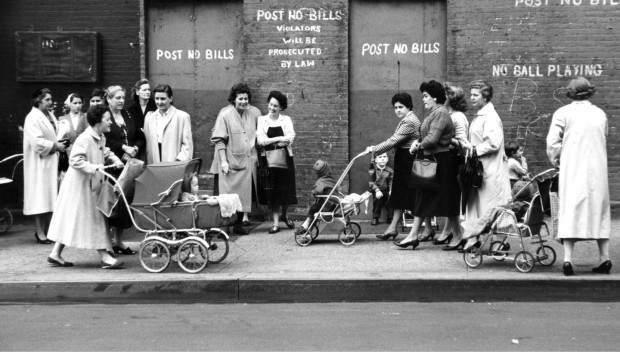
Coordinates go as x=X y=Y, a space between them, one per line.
x=455 y=248
x=568 y=269
x=40 y=241
x=444 y=241
x=428 y=237
x=413 y=244
x=603 y=268
x=388 y=235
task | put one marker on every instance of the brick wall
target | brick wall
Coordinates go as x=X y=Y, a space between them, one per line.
x=117 y=22
x=529 y=50
x=317 y=93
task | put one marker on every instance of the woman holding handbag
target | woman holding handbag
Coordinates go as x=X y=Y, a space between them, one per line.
x=441 y=196
x=486 y=135
x=275 y=134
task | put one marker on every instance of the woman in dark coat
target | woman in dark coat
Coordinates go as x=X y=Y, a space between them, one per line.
x=126 y=141
x=142 y=101
x=436 y=133
x=407 y=131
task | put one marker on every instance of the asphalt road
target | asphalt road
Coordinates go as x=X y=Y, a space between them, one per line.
x=333 y=326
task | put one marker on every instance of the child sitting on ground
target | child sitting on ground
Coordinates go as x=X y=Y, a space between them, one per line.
x=323 y=186
x=380 y=184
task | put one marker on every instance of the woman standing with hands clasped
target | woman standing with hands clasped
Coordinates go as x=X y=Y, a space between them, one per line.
x=436 y=135
x=577 y=144
x=275 y=131
x=407 y=131
x=143 y=104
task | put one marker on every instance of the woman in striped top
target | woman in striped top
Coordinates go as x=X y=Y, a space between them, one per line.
x=407 y=131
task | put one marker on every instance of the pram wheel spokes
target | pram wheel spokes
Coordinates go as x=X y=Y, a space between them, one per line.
x=356 y=228
x=218 y=246
x=499 y=251
x=473 y=257
x=193 y=256
x=545 y=255
x=303 y=237
x=349 y=234
x=524 y=261
x=6 y=220
x=154 y=255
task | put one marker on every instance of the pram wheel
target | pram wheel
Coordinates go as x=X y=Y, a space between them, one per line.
x=303 y=237
x=545 y=255
x=473 y=257
x=193 y=256
x=524 y=261
x=218 y=246
x=314 y=231
x=498 y=250
x=6 y=220
x=154 y=255
x=355 y=228
x=347 y=235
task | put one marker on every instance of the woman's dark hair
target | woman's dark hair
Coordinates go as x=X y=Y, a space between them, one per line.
x=435 y=90
x=76 y=95
x=580 y=89
x=97 y=92
x=136 y=88
x=404 y=99
x=38 y=96
x=485 y=89
x=455 y=97
x=281 y=98
x=163 y=88
x=511 y=148
x=239 y=88
x=95 y=113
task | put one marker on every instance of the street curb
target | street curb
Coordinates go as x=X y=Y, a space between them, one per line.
x=310 y=290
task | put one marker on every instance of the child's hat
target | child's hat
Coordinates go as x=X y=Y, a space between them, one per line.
x=321 y=167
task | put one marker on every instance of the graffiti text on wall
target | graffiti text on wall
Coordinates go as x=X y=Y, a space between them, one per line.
x=193 y=54
x=300 y=38
x=586 y=70
x=539 y=3
x=399 y=48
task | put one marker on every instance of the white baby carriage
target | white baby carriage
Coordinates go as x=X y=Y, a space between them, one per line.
x=343 y=208
x=11 y=162
x=506 y=224
x=185 y=232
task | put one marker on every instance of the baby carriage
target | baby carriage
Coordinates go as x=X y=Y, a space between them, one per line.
x=6 y=218
x=185 y=232
x=506 y=223
x=345 y=207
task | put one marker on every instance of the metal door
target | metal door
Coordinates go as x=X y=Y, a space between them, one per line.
x=195 y=47
x=394 y=46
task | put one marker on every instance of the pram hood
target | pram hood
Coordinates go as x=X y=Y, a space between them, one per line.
x=162 y=183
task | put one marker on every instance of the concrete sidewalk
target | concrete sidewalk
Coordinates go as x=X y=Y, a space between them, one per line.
x=272 y=268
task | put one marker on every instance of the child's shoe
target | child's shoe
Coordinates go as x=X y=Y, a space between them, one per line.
x=374 y=222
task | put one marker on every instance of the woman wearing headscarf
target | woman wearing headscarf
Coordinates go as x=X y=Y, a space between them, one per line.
x=577 y=144
x=41 y=147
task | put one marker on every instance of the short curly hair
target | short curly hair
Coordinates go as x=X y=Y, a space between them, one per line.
x=281 y=98
x=580 y=89
x=455 y=97
x=95 y=114
x=239 y=88
x=485 y=88
x=435 y=90
x=404 y=99
x=38 y=96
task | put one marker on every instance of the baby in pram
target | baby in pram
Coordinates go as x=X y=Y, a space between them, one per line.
x=323 y=186
x=190 y=193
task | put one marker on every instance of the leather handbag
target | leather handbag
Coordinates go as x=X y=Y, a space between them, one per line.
x=276 y=158
x=424 y=173
x=477 y=171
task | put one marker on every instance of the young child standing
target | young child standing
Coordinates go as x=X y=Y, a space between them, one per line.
x=380 y=184
x=323 y=186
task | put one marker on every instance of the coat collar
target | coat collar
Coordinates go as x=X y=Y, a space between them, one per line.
x=45 y=120
x=93 y=134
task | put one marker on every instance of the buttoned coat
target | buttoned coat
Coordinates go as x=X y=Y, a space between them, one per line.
x=76 y=221
x=40 y=163
x=74 y=132
x=177 y=141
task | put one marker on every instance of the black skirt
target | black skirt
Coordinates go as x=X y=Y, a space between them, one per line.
x=276 y=186
x=445 y=201
x=402 y=196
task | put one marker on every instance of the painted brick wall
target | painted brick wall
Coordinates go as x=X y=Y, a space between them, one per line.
x=529 y=50
x=317 y=93
x=118 y=23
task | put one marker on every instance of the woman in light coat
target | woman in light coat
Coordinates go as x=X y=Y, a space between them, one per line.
x=41 y=147
x=486 y=135
x=577 y=144
x=168 y=130
x=76 y=221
